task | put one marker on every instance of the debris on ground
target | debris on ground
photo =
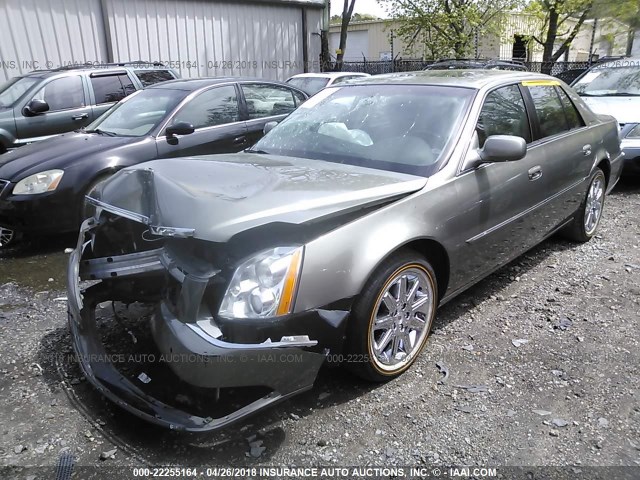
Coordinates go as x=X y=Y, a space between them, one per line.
x=444 y=370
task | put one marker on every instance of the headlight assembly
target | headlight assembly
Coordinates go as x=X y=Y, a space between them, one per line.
x=41 y=182
x=265 y=285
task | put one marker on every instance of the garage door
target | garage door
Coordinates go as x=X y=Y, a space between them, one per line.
x=357 y=45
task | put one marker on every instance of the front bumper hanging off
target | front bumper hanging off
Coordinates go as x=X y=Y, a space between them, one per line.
x=197 y=357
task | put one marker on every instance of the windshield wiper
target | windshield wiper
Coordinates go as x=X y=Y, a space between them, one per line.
x=102 y=132
x=250 y=150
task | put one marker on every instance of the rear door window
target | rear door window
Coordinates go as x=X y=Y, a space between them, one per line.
x=264 y=100
x=111 y=88
x=550 y=111
x=151 y=77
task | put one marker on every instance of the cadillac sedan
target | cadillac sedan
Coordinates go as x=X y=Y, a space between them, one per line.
x=337 y=236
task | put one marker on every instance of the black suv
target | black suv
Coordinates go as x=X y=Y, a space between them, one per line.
x=45 y=103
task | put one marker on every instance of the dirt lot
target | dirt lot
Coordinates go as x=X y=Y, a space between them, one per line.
x=550 y=343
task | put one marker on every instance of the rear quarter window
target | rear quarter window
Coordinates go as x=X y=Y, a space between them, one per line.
x=111 y=88
x=151 y=77
x=574 y=119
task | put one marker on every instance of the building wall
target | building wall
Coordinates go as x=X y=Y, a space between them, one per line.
x=195 y=37
x=610 y=39
x=36 y=34
x=379 y=36
x=204 y=38
x=635 y=49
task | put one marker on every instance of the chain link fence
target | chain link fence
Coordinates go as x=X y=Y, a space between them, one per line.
x=566 y=71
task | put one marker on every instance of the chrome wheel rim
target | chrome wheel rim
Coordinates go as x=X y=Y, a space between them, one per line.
x=594 y=205
x=6 y=236
x=401 y=319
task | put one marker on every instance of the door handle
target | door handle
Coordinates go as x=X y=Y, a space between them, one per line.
x=80 y=117
x=535 y=173
x=586 y=150
x=239 y=140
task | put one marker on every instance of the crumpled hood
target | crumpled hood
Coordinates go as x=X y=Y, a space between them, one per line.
x=220 y=196
x=60 y=152
x=624 y=109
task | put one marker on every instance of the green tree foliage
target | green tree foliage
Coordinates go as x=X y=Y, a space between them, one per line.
x=563 y=19
x=356 y=17
x=447 y=28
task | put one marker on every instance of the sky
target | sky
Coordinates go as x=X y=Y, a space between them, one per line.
x=362 y=6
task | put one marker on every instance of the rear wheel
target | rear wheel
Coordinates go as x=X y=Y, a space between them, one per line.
x=587 y=219
x=392 y=317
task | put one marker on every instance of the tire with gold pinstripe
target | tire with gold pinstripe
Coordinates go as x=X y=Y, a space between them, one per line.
x=392 y=317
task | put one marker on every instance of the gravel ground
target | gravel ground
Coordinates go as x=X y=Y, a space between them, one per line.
x=537 y=365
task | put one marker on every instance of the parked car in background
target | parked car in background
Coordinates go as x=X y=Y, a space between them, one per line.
x=44 y=103
x=613 y=88
x=43 y=185
x=336 y=237
x=312 y=83
x=474 y=63
x=569 y=76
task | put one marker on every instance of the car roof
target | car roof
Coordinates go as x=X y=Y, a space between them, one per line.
x=193 y=84
x=471 y=78
x=141 y=65
x=329 y=75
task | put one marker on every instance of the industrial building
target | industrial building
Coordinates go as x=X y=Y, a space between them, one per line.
x=271 y=39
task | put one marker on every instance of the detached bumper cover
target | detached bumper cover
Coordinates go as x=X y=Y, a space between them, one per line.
x=288 y=366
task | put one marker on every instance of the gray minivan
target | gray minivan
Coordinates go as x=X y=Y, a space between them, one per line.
x=45 y=103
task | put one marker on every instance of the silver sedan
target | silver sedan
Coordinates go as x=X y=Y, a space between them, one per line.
x=338 y=235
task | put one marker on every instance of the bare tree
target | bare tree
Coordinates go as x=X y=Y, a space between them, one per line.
x=555 y=14
x=347 y=13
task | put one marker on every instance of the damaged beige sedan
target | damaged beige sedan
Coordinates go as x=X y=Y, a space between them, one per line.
x=337 y=236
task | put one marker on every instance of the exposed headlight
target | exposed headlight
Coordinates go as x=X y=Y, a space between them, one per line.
x=39 y=183
x=634 y=133
x=265 y=285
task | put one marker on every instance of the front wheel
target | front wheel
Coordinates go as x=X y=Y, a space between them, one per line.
x=587 y=219
x=8 y=238
x=392 y=317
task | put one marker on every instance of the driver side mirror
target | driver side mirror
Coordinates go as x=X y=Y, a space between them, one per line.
x=268 y=127
x=179 y=128
x=503 y=148
x=35 y=107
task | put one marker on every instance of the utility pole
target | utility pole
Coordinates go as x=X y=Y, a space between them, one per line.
x=393 y=58
x=475 y=39
x=593 y=39
x=325 y=57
